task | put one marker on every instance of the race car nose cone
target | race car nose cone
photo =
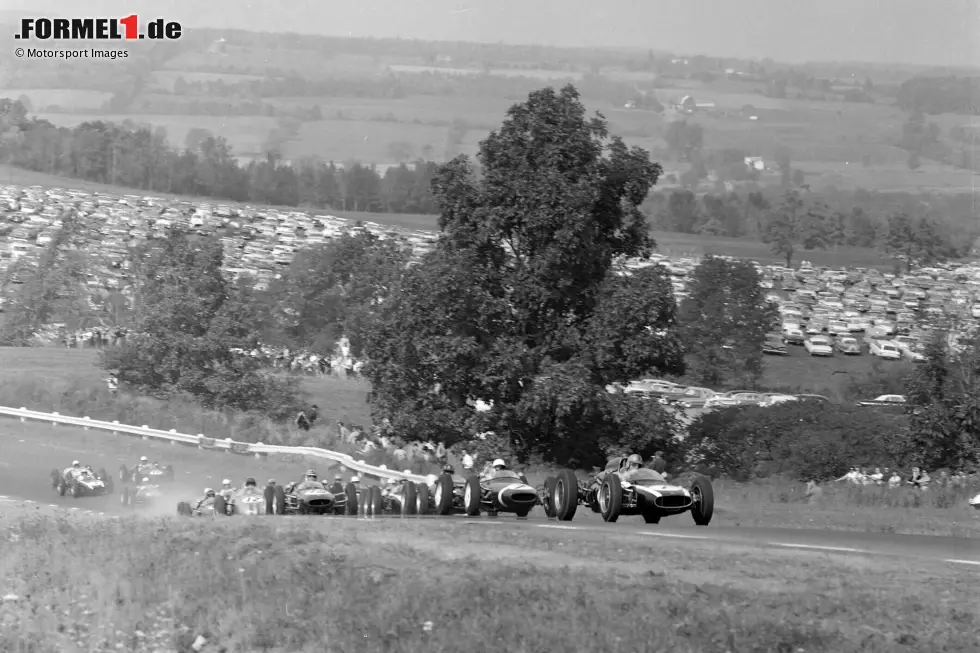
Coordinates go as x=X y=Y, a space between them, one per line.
x=520 y=495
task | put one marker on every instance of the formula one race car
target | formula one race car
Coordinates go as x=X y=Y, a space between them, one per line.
x=81 y=482
x=615 y=491
x=310 y=499
x=210 y=506
x=398 y=497
x=156 y=472
x=143 y=494
x=502 y=491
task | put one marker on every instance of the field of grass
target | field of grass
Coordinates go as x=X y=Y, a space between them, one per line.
x=368 y=141
x=298 y=586
x=66 y=98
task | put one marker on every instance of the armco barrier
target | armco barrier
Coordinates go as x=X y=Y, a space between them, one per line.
x=202 y=442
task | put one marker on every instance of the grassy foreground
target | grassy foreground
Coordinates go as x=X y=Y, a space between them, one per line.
x=79 y=584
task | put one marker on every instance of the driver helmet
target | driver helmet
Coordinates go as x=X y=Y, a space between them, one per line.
x=634 y=461
x=430 y=480
x=146 y=479
x=209 y=493
x=355 y=479
x=499 y=464
x=249 y=482
x=143 y=459
x=338 y=477
x=311 y=475
x=225 y=484
x=75 y=463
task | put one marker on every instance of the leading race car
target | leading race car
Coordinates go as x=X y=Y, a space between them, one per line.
x=146 y=493
x=144 y=468
x=618 y=490
x=81 y=481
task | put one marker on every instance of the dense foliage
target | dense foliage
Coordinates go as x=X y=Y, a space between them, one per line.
x=724 y=322
x=520 y=306
x=188 y=320
x=806 y=439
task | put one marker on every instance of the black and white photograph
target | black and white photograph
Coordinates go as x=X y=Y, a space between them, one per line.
x=472 y=326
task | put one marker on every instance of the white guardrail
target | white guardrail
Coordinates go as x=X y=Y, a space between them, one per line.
x=256 y=449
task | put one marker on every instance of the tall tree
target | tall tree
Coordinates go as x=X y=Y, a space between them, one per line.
x=724 y=320
x=189 y=321
x=794 y=226
x=518 y=304
x=915 y=241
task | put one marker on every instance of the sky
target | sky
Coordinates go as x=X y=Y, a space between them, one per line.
x=929 y=32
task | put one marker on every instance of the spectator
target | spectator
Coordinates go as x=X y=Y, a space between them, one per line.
x=877 y=477
x=113 y=383
x=919 y=478
x=467 y=462
x=657 y=463
x=895 y=480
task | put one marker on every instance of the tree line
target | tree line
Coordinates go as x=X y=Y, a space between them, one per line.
x=141 y=158
x=522 y=305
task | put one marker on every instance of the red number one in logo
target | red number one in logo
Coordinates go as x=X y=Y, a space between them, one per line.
x=129 y=22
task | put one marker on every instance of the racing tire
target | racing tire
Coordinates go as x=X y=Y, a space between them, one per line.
x=611 y=498
x=565 y=497
x=124 y=499
x=76 y=490
x=376 y=503
x=444 y=495
x=220 y=505
x=472 y=496
x=270 y=499
x=351 y=493
x=62 y=487
x=184 y=509
x=704 y=501
x=409 y=501
x=548 y=501
x=362 y=503
x=421 y=499
x=279 y=500
x=124 y=474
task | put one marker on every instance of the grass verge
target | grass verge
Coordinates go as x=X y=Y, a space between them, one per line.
x=290 y=585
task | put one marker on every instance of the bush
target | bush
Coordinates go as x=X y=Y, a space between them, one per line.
x=807 y=440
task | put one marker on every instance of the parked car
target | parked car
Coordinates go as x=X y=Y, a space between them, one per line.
x=818 y=346
x=774 y=345
x=794 y=336
x=885 y=349
x=885 y=400
x=848 y=346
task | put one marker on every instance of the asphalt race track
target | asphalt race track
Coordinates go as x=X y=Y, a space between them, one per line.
x=29 y=451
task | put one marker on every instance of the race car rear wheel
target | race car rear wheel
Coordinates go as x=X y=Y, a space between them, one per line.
x=124 y=497
x=548 y=500
x=704 y=501
x=409 y=500
x=362 y=502
x=422 y=499
x=220 y=505
x=351 y=493
x=376 y=502
x=62 y=487
x=471 y=496
x=610 y=498
x=76 y=490
x=565 y=497
x=279 y=500
x=184 y=509
x=444 y=495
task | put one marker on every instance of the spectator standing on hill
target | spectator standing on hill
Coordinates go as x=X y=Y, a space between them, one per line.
x=895 y=480
x=112 y=382
x=658 y=464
